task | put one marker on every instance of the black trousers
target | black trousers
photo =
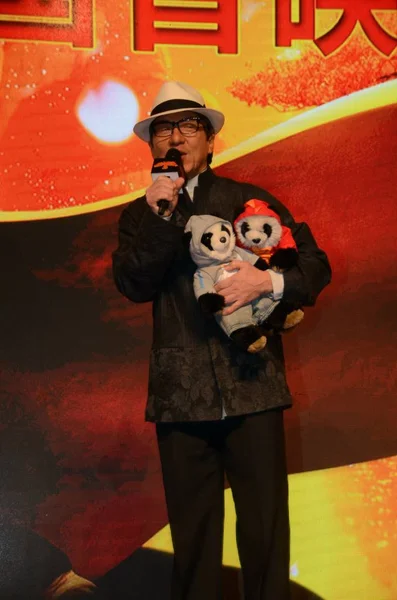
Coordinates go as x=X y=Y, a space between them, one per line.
x=195 y=457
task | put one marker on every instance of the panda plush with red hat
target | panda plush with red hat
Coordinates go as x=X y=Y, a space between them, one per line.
x=259 y=230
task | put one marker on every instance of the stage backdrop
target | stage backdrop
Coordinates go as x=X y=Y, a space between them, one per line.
x=310 y=97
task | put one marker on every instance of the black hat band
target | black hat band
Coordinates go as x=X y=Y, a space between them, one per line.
x=175 y=105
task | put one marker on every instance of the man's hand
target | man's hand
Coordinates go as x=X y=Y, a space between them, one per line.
x=164 y=188
x=247 y=284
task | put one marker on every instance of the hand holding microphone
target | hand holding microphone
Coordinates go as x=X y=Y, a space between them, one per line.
x=168 y=177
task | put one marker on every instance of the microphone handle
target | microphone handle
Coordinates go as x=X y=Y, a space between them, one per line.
x=163 y=206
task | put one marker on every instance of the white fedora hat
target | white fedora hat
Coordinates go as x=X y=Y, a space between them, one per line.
x=173 y=97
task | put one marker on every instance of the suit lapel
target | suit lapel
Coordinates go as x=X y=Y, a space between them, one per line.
x=201 y=202
x=184 y=208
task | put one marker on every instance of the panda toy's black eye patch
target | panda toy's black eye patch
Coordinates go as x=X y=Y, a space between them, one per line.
x=244 y=228
x=206 y=240
x=267 y=229
x=226 y=229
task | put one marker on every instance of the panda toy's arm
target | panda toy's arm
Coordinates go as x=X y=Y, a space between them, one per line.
x=209 y=301
x=283 y=259
x=261 y=264
x=252 y=258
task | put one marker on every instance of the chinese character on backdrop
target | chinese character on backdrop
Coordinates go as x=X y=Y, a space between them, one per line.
x=286 y=29
x=56 y=21
x=199 y=23
x=353 y=13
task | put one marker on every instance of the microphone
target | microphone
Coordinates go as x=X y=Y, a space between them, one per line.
x=172 y=167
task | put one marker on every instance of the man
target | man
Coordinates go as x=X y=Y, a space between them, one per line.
x=217 y=409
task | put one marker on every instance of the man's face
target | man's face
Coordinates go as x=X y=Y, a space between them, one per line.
x=194 y=148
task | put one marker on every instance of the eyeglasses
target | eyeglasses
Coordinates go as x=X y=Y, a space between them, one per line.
x=187 y=127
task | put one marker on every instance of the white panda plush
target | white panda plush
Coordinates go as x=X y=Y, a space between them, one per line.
x=259 y=230
x=212 y=247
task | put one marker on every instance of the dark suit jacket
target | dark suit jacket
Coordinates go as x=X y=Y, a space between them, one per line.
x=194 y=368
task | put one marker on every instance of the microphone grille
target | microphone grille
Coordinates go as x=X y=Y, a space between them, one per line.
x=174 y=154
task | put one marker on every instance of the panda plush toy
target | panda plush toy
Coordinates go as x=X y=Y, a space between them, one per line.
x=259 y=230
x=212 y=247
